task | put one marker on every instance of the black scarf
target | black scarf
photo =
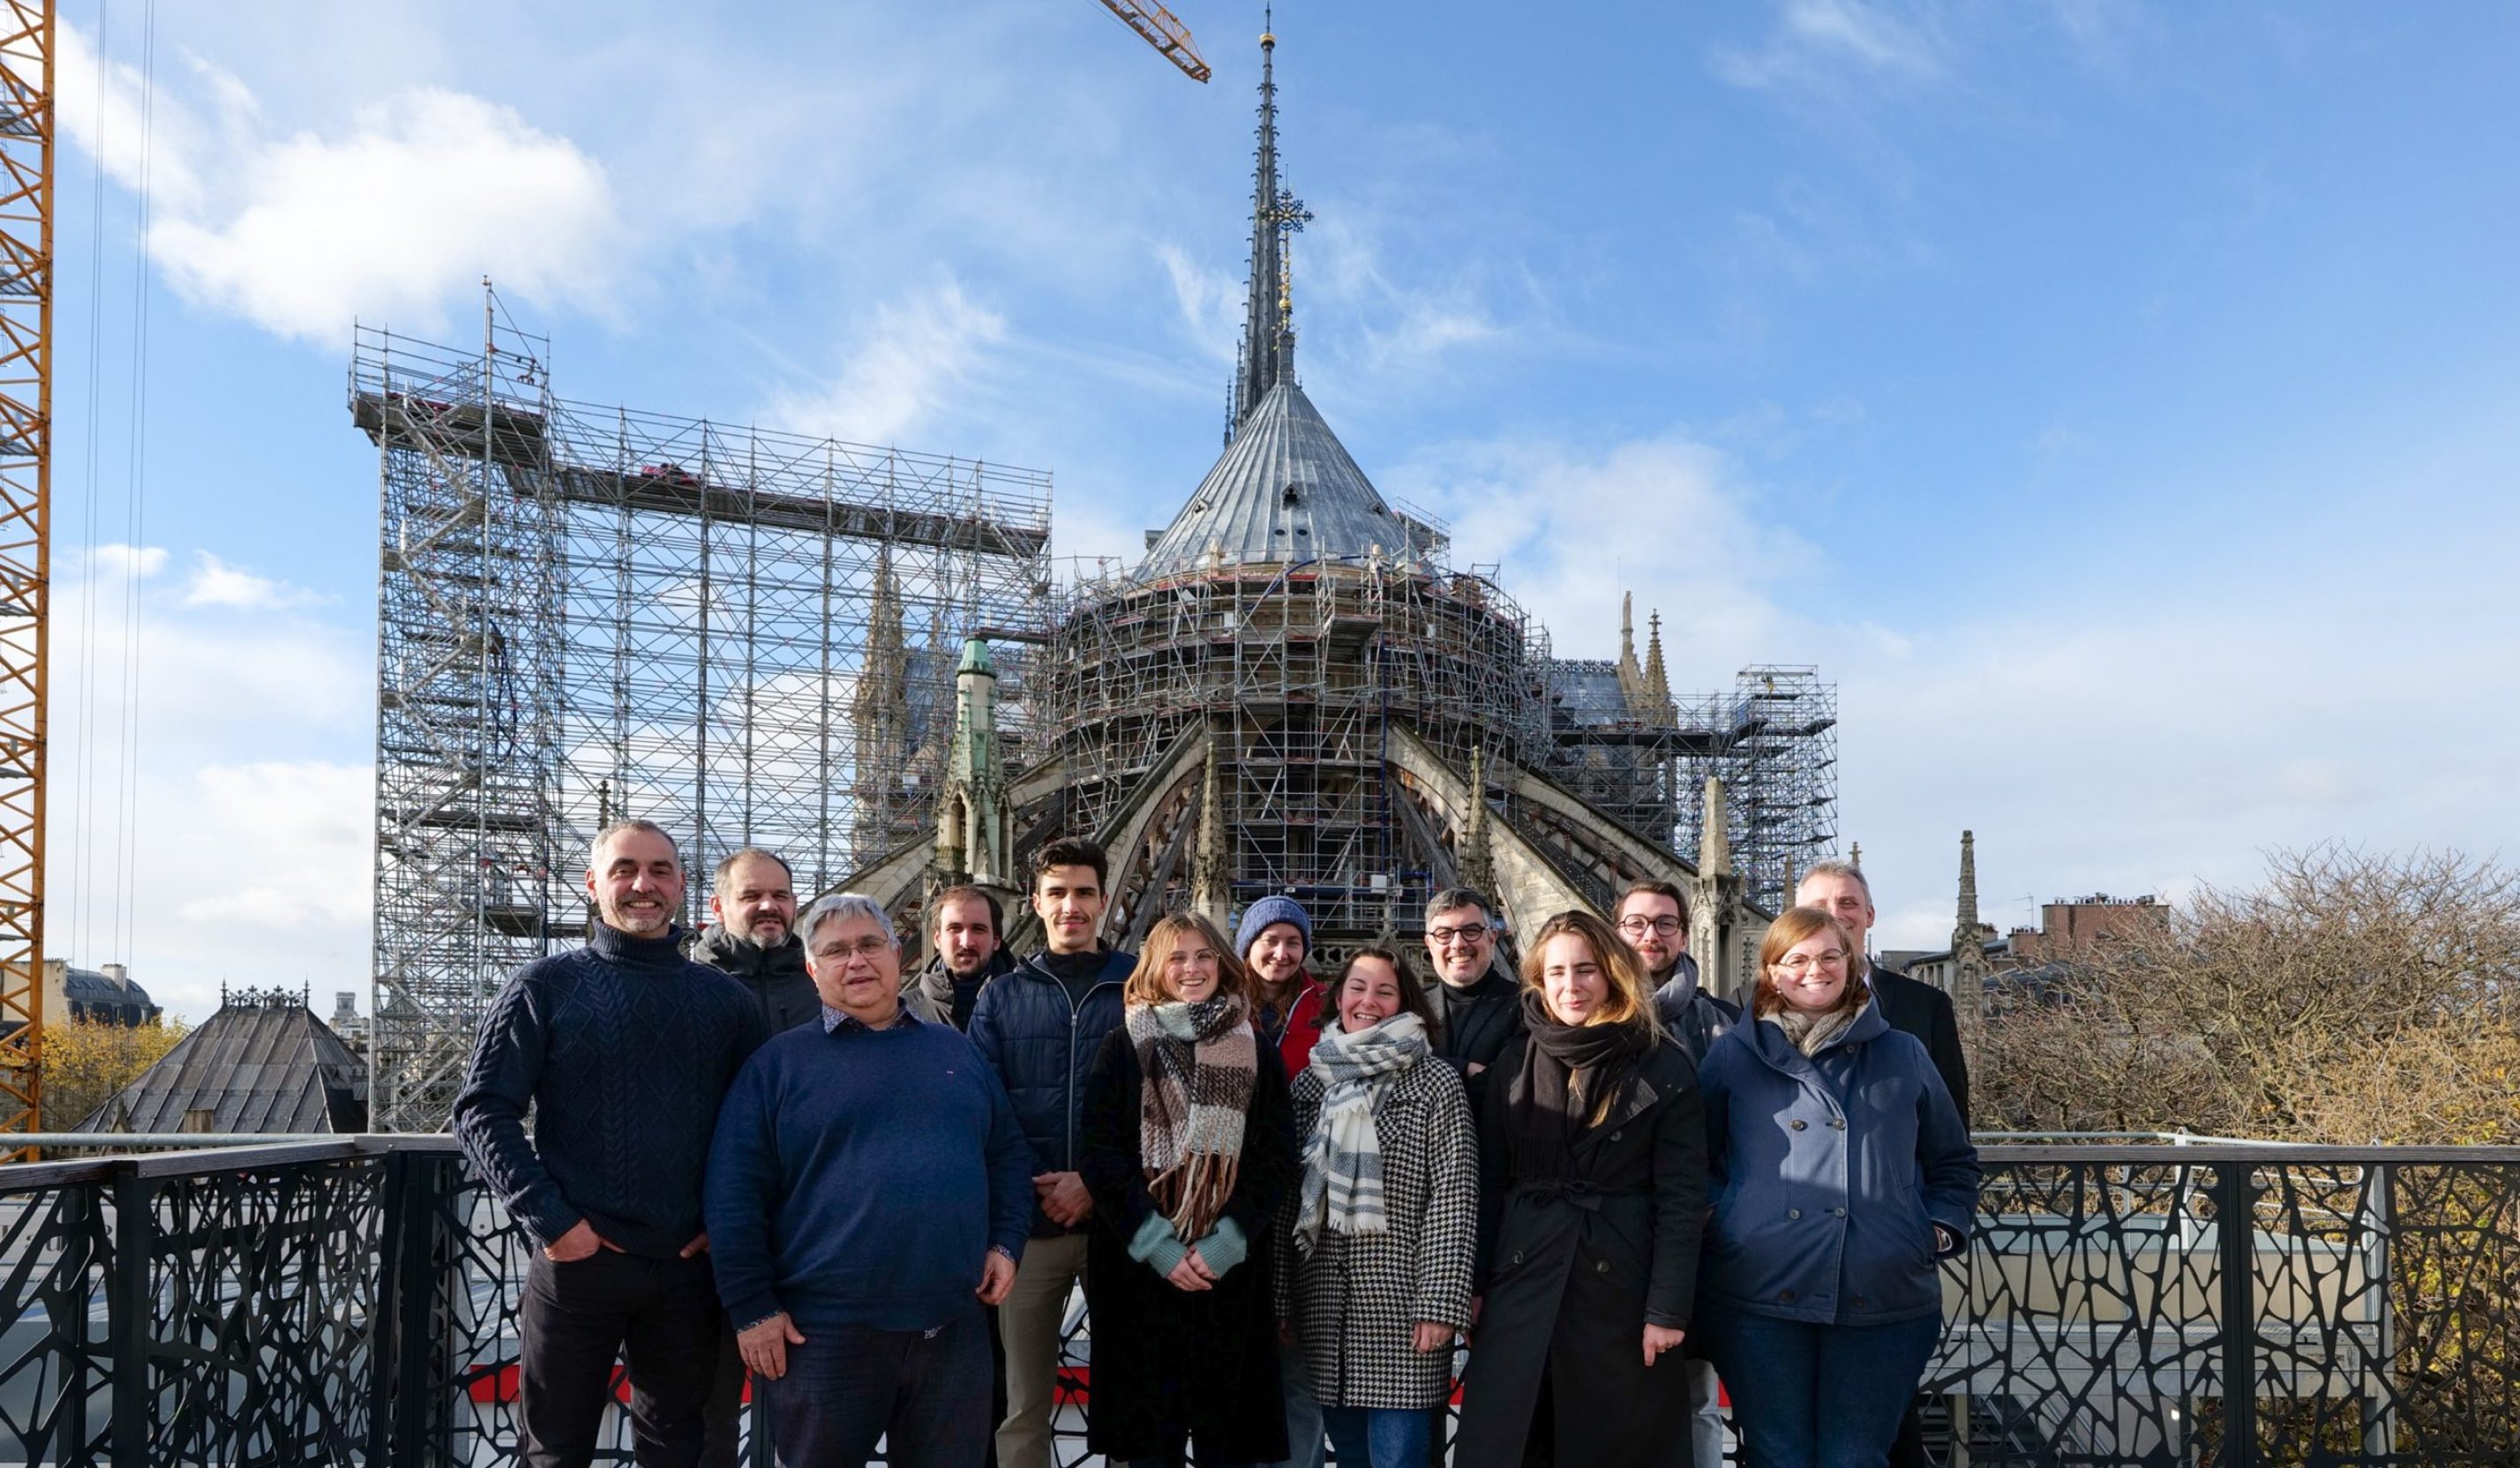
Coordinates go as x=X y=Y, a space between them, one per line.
x=1574 y=1074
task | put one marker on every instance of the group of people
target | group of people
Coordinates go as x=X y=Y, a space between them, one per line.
x=1288 y=1200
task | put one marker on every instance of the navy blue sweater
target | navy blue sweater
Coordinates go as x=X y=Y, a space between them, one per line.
x=859 y=1176
x=622 y=1047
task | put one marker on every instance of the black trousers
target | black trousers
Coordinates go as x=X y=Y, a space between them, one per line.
x=918 y=1391
x=661 y=1315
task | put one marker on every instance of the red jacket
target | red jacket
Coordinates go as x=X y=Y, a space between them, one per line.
x=1304 y=1019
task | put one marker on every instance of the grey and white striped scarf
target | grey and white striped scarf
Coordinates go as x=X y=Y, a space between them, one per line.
x=1342 y=1185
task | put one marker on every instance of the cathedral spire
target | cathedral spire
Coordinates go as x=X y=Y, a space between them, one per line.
x=1267 y=321
x=1969 y=881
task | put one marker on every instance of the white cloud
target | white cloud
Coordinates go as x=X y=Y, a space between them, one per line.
x=125 y=561
x=297 y=840
x=915 y=353
x=216 y=583
x=1211 y=301
x=1687 y=540
x=392 y=217
x=237 y=849
x=1816 y=38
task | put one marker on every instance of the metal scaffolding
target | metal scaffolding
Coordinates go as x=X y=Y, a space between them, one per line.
x=1295 y=670
x=1774 y=741
x=587 y=612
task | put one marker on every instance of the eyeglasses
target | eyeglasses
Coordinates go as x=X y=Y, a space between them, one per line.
x=1468 y=934
x=1639 y=925
x=1801 y=964
x=865 y=947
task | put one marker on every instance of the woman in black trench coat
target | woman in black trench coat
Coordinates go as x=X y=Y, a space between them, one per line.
x=1187 y=1141
x=1592 y=1195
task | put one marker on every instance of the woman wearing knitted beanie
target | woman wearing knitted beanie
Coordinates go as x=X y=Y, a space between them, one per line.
x=1275 y=938
x=1287 y=1009
x=1380 y=1238
x=1592 y=1195
x=1186 y=1141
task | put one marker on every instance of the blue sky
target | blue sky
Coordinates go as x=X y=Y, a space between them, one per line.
x=2118 y=400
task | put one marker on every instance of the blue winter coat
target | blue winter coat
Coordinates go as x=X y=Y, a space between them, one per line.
x=1828 y=1174
x=1042 y=1048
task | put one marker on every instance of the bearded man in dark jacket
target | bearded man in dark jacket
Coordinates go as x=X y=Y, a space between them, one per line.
x=966 y=934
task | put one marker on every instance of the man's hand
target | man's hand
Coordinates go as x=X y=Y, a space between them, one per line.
x=580 y=1241
x=997 y=1277
x=1474 y=1068
x=1064 y=1197
x=696 y=1246
x=1433 y=1336
x=1659 y=1338
x=764 y=1347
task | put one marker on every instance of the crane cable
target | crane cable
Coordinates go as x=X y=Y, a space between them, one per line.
x=126 y=836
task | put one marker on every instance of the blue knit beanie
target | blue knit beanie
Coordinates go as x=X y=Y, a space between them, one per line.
x=1269 y=911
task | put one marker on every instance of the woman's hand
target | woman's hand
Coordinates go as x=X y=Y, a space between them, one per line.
x=1192 y=1273
x=1433 y=1336
x=1659 y=1338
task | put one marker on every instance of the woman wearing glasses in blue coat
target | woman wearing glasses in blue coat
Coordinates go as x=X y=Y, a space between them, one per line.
x=1840 y=1172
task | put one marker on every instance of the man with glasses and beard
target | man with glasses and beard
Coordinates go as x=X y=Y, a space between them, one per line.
x=1477 y=1004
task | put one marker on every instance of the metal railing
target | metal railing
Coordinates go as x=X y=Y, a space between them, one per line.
x=354 y=1301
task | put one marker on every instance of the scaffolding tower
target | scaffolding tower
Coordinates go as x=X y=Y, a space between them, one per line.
x=1773 y=739
x=587 y=613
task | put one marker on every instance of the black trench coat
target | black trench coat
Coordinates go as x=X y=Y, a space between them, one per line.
x=1571 y=1276
x=1167 y=1361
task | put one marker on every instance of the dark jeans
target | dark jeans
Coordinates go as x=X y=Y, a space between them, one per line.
x=726 y=1403
x=1810 y=1395
x=661 y=1315
x=1374 y=1436
x=920 y=1392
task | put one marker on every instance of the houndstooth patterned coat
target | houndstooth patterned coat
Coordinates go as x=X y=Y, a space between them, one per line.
x=1355 y=1301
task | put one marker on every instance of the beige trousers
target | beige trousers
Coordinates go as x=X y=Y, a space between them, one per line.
x=1028 y=1321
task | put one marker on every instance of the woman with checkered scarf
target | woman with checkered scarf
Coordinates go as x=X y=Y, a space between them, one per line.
x=1380 y=1237
x=1186 y=1141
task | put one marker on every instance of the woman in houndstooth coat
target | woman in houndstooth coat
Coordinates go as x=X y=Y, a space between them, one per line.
x=1380 y=1241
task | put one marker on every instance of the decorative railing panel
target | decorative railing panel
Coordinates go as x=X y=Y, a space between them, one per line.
x=355 y=1302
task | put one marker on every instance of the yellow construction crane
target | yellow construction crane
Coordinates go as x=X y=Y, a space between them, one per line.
x=25 y=540
x=1164 y=30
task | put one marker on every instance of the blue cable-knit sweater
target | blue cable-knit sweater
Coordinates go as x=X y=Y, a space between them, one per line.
x=623 y=1049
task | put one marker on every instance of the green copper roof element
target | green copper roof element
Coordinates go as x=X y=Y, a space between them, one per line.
x=975 y=657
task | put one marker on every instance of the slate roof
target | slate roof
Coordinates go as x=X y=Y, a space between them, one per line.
x=1284 y=490
x=262 y=1063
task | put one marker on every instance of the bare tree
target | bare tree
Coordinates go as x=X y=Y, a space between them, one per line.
x=2351 y=998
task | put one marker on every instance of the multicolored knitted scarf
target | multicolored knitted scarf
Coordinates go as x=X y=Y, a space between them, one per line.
x=1342 y=1188
x=1198 y=1063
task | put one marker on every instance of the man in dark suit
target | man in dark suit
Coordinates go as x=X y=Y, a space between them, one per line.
x=1838 y=888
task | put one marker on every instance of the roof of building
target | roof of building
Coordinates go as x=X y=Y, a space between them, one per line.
x=87 y=985
x=1284 y=490
x=262 y=1063
x=1586 y=692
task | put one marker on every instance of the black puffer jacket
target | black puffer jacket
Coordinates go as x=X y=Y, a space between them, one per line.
x=775 y=977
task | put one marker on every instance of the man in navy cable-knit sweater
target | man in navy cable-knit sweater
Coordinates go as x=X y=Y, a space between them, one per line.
x=870 y=1189
x=623 y=1049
